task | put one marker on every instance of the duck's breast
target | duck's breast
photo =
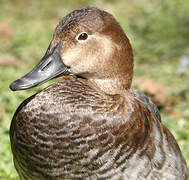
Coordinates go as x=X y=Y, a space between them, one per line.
x=70 y=130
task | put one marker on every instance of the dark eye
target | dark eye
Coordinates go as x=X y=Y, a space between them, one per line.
x=83 y=36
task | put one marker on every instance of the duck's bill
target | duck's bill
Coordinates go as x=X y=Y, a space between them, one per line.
x=50 y=66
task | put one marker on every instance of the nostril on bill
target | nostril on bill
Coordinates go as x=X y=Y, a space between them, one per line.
x=46 y=66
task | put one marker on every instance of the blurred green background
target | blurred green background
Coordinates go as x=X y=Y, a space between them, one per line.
x=158 y=31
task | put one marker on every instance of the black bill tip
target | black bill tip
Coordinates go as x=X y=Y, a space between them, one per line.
x=13 y=85
x=20 y=84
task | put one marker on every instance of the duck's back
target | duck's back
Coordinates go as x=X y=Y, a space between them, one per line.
x=71 y=131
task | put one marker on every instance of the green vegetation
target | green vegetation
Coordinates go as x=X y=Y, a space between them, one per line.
x=158 y=31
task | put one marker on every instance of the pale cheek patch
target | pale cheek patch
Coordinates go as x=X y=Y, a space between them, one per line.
x=70 y=56
x=91 y=57
x=107 y=45
x=106 y=50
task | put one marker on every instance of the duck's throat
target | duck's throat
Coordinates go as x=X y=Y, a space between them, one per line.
x=111 y=86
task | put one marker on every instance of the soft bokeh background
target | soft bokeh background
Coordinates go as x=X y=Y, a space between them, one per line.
x=158 y=31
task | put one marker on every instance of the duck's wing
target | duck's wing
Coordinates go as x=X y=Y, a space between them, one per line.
x=167 y=161
x=146 y=101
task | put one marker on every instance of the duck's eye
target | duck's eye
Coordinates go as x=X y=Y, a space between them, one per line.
x=83 y=36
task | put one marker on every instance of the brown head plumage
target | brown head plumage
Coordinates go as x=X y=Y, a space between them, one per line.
x=105 y=57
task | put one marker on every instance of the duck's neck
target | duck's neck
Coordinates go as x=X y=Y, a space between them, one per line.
x=111 y=86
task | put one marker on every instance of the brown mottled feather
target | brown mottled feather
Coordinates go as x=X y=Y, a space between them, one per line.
x=70 y=131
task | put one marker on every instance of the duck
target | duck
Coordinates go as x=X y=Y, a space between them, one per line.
x=91 y=124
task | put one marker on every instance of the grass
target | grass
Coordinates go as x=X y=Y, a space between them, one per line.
x=158 y=31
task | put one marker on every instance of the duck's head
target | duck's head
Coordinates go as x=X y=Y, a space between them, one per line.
x=88 y=43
